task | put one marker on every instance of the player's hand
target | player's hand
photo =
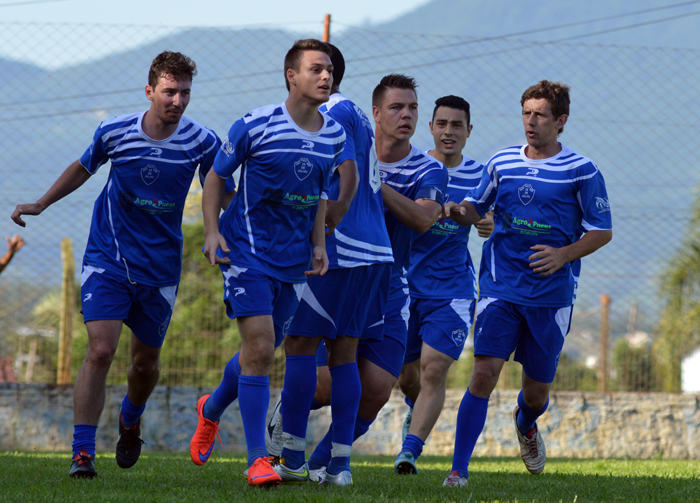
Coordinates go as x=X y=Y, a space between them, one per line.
x=212 y=243
x=547 y=260
x=485 y=226
x=15 y=244
x=335 y=211
x=25 y=209
x=319 y=265
x=452 y=208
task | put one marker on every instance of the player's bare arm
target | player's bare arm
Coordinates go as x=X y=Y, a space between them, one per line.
x=549 y=260
x=347 y=188
x=319 y=263
x=485 y=226
x=418 y=215
x=469 y=217
x=212 y=199
x=73 y=177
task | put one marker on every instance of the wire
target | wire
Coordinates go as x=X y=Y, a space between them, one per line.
x=30 y=2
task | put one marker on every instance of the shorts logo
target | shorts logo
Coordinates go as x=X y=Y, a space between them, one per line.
x=163 y=328
x=88 y=296
x=286 y=326
x=459 y=336
x=226 y=147
x=149 y=174
x=239 y=290
x=302 y=168
x=602 y=204
x=526 y=194
x=308 y=144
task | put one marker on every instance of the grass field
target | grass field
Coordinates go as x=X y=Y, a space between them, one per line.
x=39 y=477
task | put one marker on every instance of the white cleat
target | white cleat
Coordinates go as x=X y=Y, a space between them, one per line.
x=273 y=431
x=532 y=448
x=454 y=480
x=290 y=475
x=344 y=478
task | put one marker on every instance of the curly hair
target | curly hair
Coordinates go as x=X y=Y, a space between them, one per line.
x=556 y=93
x=171 y=63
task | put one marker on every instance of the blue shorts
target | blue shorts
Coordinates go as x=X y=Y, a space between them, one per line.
x=442 y=324
x=248 y=292
x=336 y=304
x=146 y=310
x=388 y=353
x=536 y=334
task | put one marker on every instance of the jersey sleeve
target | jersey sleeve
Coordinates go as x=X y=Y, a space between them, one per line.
x=337 y=161
x=344 y=117
x=96 y=154
x=433 y=184
x=233 y=151
x=484 y=195
x=593 y=198
x=211 y=149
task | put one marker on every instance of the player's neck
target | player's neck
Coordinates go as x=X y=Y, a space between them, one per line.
x=155 y=128
x=450 y=161
x=544 y=152
x=304 y=113
x=390 y=150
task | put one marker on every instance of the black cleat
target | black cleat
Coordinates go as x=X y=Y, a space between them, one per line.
x=83 y=466
x=129 y=444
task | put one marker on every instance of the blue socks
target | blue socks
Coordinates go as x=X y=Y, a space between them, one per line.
x=470 y=423
x=253 y=400
x=414 y=445
x=226 y=393
x=408 y=402
x=130 y=412
x=527 y=417
x=345 y=400
x=322 y=454
x=84 y=438
x=297 y=394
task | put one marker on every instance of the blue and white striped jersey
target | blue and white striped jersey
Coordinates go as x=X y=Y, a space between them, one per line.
x=418 y=176
x=441 y=266
x=285 y=171
x=136 y=224
x=361 y=237
x=549 y=202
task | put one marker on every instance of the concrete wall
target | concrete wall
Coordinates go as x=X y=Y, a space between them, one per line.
x=40 y=417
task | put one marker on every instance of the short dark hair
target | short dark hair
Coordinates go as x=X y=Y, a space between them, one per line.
x=338 y=64
x=171 y=63
x=392 y=81
x=556 y=93
x=293 y=57
x=455 y=102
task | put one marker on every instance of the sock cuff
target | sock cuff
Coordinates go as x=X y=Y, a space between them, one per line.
x=363 y=422
x=262 y=381
x=346 y=369
x=477 y=398
x=414 y=438
x=84 y=428
x=408 y=402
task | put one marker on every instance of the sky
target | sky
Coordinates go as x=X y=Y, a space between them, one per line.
x=303 y=13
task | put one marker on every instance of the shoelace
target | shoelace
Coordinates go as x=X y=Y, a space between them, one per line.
x=131 y=437
x=212 y=429
x=532 y=445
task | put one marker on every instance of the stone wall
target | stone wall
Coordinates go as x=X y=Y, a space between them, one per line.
x=587 y=425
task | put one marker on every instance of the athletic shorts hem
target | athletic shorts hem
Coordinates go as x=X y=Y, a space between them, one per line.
x=441 y=351
x=249 y=313
x=104 y=318
x=355 y=335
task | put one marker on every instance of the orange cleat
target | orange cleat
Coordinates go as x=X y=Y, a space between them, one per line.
x=202 y=442
x=262 y=474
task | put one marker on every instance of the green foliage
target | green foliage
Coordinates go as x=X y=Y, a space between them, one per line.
x=679 y=332
x=634 y=367
x=172 y=477
x=573 y=375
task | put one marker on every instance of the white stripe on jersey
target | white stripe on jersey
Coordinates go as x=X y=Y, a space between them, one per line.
x=249 y=227
x=364 y=255
x=361 y=244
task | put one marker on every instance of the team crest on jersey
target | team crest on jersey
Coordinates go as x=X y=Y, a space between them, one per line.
x=149 y=174
x=602 y=204
x=526 y=194
x=226 y=146
x=302 y=168
x=459 y=336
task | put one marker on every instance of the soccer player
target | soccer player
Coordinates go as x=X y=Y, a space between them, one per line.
x=413 y=190
x=131 y=267
x=550 y=209
x=14 y=245
x=267 y=238
x=442 y=286
x=335 y=306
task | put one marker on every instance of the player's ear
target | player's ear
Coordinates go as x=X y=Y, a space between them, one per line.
x=430 y=126
x=291 y=76
x=149 y=92
x=561 y=120
x=375 y=113
x=469 y=129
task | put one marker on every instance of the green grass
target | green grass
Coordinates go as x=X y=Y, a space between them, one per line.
x=28 y=477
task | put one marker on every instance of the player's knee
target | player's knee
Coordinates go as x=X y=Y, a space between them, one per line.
x=145 y=365
x=434 y=374
x=100 y=353
x=483 y=381
x=374 y=398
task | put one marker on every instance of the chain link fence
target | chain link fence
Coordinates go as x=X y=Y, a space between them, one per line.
x=634 y=112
